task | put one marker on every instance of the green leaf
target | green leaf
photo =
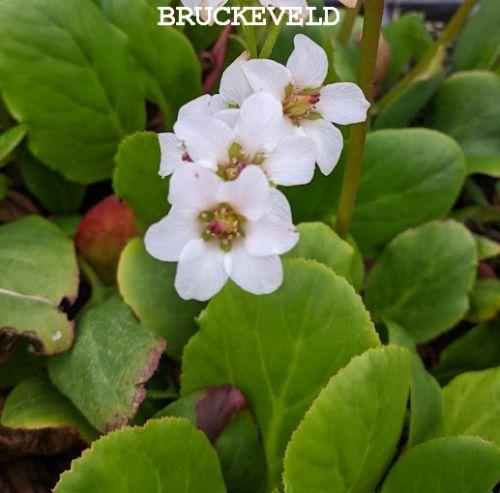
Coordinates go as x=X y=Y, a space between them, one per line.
x=38 y=269
x=477 y=350
x=478 y=44
x=426 y=400
x=458 y=464
x=484 y=165
x=147 y=286
x=136 y=178
x=423 y=278
x=486 y=248
x=105 y=371
x=54 y=192
x=319 y=242
x=279 y=349
x=408 y=39
x=168 y=66
x=409 y=176
x=9 y=140
x=222 y=414
x=467 y=107
x=36 y=404
x=472 y=406
x=484 y=300
x=167 y=455
x=70 y=92
x=352 y=430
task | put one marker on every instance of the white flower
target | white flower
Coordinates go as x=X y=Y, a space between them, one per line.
x=350 y=4
x=258 y=138
x=220 y=229
x=307 y=104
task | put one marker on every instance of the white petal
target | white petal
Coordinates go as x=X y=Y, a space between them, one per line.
x=197 y=107
x=248 y=194
x=200 y=273
x=292 y=163
x=343 y=103
x=268 y=76
x=257 y=275
x=234 y=86
x=270 y=236
x=194 y=187
x=283 y=4
x=165 y=239
x=230 y=116
x=308 y=63
x=279 y=207
x=172 y=151
x=207 y=139
x=217 y=103
x=350 y=4
x=328 y=141
x=260 y=126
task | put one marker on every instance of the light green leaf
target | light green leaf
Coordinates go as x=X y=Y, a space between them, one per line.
x=57 y=78
x=167 y=455
x=279 y=349
x=467 y=107
x=352 y=430
x=472 y=406
x=426 y=400
x=478 y=45
x=36 y=404
x=169 y=67
x=105 y=371
x=54 y=192
x=320 y=242
x=423 y=278
x=147 y=286
x=477 y=350
x=458 y=465
x=136 y=178
x=484 y=300
x=484 y=165
x=10 y=139
x=486 y=248
x=38 y=269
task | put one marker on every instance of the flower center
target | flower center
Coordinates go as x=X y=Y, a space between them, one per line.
x=224 y=224
x=237 y=161
x=299 y=105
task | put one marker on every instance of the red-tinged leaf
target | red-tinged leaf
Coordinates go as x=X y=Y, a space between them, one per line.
x=103 y=234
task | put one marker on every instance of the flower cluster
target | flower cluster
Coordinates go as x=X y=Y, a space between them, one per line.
x=268 y=126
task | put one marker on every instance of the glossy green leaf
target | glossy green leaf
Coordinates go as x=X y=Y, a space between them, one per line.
x=472 y=406
x=477 y=350
x=147 y=286
x=10 y=139
x=69 y=91
x=279 y=349
x=423 y=278
x=484 y=300
x=38 y=269
x=477 y=45
x=36 y=404
x=167 y=455
x=320 y=242
x=168 y=66
x=105 y=371
x=136 y=178
x=57 y=194
x=409 y=176
x=458 y=465
x=352 y=430
x=467 y=107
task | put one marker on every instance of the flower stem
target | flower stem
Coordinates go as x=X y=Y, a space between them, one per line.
x=366 y=75
x=433 y=58
x=270 y=41
x=348 y=23
x=250 y=40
